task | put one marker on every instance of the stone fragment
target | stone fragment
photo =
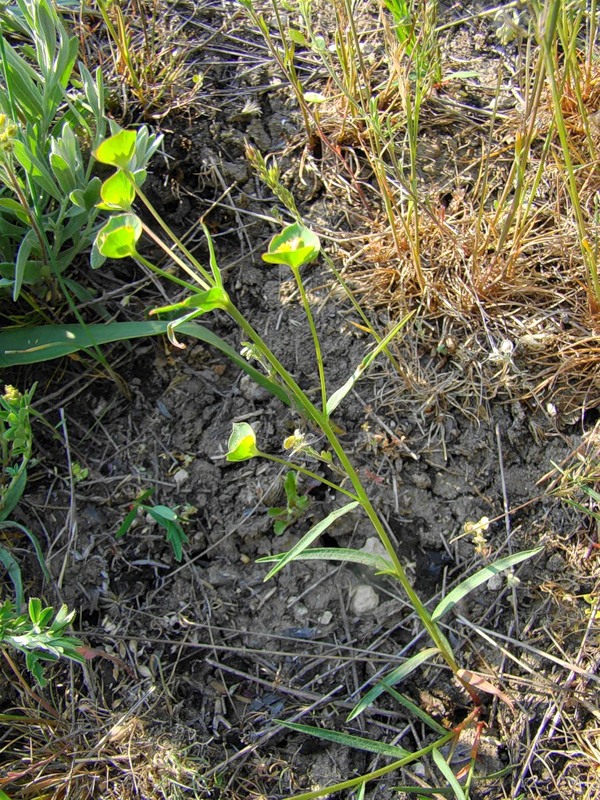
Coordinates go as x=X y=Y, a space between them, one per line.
x=364 y=600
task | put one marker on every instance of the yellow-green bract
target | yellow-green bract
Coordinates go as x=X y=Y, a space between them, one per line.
x=293 y=247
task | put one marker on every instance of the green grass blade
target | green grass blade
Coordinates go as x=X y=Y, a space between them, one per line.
x=348 y=740
x=478 y=578
x=337 y=397
x=415 y=710
x=446 y=771
x=34 y=541
x=21 y=346
x=310 y=537
x=378 y=563
x=395 y=676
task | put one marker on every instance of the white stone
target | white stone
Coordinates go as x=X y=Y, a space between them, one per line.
x=374 y=546
x=364 y=600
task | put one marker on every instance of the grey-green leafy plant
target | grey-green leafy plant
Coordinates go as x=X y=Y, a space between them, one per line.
x=51 y=118
x=41 y=635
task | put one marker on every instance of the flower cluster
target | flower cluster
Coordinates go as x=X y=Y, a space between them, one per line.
x=8 y=131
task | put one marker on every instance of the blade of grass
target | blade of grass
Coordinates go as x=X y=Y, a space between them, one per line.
x=478 y=578
x=32 y=345
x=348 y=740
x=395 y=676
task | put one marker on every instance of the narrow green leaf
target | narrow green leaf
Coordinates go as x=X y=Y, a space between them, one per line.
x=337 y=397
x=348 y=740
x=415 y=710
x=127 y=523
x=310 y=537
x=478 y=578
x=395 y=676
x=20 y=346
x=34 y=541
x=14 y=573
x=21 y=263
x=12 y=495
x=375 y=562
x=446 y=771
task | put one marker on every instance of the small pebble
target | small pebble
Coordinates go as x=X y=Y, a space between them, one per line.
x=325 y=618
x=555 y=563
x=180 y=477
x=495 y=583
x=421 y=480
x=374 y=546
x=364 y=600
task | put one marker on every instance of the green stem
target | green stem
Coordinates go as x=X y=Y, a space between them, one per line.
x=378 y=773
x=309 y=474
x=322 y=423
x=208 y=282
x=315 y=336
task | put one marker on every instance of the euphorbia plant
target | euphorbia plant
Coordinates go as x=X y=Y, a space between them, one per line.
x=295 y=247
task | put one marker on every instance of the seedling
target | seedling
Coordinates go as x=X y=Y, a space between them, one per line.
x=166 y=517
x=296 y=505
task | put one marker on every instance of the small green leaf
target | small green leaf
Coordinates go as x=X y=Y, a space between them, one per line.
x=204 y=301
x=478 y=578
x=293 y=247
x=446 y=771
x=14 y=573
x=117 y=150
x=378 y=563
x=297 y=37
x=242 y=443
x=316 y=98
x=117 y=192
x=118 y=236
x=348 y=740
x=310 y=537
x=162 y=512
x=395 y=676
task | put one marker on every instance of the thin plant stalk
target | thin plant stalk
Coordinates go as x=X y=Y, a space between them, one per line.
x=320 y=419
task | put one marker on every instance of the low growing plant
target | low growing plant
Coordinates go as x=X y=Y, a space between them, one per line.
x=51 y=118
x=295 y=505
x=166 y=517
x=41 y=635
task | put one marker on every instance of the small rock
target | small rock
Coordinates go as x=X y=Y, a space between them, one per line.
x=252 y=391
x=364 y=600
x=300 y=611
x=374 y=546
x=325 y=618
x=421 y=480
x=495 y=583
x=180 y=477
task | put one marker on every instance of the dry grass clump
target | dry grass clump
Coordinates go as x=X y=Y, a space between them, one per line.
x=465 y=199
x=76 y=747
